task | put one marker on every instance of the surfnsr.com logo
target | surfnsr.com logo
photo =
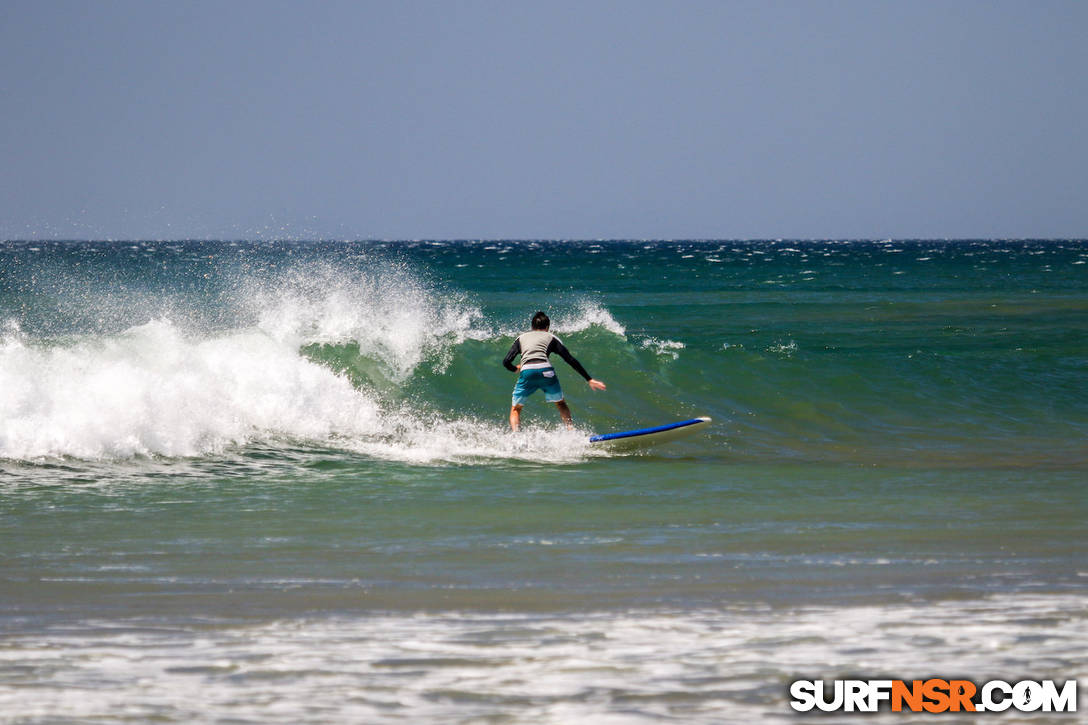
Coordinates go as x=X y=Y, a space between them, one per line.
x=933 y=695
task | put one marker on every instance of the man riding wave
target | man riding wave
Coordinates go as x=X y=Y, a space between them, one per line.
x=535 y=372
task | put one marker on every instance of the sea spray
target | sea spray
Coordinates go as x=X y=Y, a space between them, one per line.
x=312 y=352
x=388 y=311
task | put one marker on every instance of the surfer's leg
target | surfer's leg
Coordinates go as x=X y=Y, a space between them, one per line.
x=515 y=417
x=564 y=413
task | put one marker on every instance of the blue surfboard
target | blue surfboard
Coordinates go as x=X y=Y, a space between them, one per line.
x=643 y=437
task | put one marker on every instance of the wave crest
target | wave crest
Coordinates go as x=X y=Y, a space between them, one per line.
x=389 y=313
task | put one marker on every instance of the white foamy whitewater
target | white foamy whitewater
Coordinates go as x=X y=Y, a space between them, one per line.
x=732 y=665
x=169 y=387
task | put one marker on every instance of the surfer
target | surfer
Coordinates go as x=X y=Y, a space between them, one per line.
x=535 y=372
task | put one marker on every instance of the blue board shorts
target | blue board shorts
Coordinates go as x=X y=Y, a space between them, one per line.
x=530 y=381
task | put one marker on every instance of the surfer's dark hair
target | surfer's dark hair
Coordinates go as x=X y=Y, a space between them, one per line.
x=541 y=321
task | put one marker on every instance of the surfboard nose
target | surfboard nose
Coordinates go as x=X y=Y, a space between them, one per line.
x=641 y=437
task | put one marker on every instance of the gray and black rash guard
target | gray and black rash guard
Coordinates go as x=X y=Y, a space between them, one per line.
x=535 y=347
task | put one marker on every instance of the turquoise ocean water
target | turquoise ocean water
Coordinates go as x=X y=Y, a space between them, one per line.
x=272 y=482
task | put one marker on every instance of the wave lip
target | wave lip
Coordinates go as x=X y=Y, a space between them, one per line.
x=392 y=315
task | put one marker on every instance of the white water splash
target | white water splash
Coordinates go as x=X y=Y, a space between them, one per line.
x=663 y=348
x=391 y=315
x=786 y=349
x=165 y=388
x=151 y=390
x=585 y=316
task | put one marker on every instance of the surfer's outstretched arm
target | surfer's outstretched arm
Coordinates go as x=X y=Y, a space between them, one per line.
x=561 y=350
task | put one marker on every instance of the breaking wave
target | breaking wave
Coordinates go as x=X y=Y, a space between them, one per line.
x=317 y=355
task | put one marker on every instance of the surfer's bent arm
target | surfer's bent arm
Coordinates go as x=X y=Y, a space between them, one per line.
x=515 y=350
x=560 y=349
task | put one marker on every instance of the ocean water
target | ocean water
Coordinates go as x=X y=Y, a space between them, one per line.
x=273 y=482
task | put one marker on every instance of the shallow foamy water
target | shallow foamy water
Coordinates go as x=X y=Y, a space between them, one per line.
x=702 y=666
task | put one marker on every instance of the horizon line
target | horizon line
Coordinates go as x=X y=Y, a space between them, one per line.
x=521 y=240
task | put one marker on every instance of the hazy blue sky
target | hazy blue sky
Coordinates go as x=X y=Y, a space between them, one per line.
x=544 y=119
